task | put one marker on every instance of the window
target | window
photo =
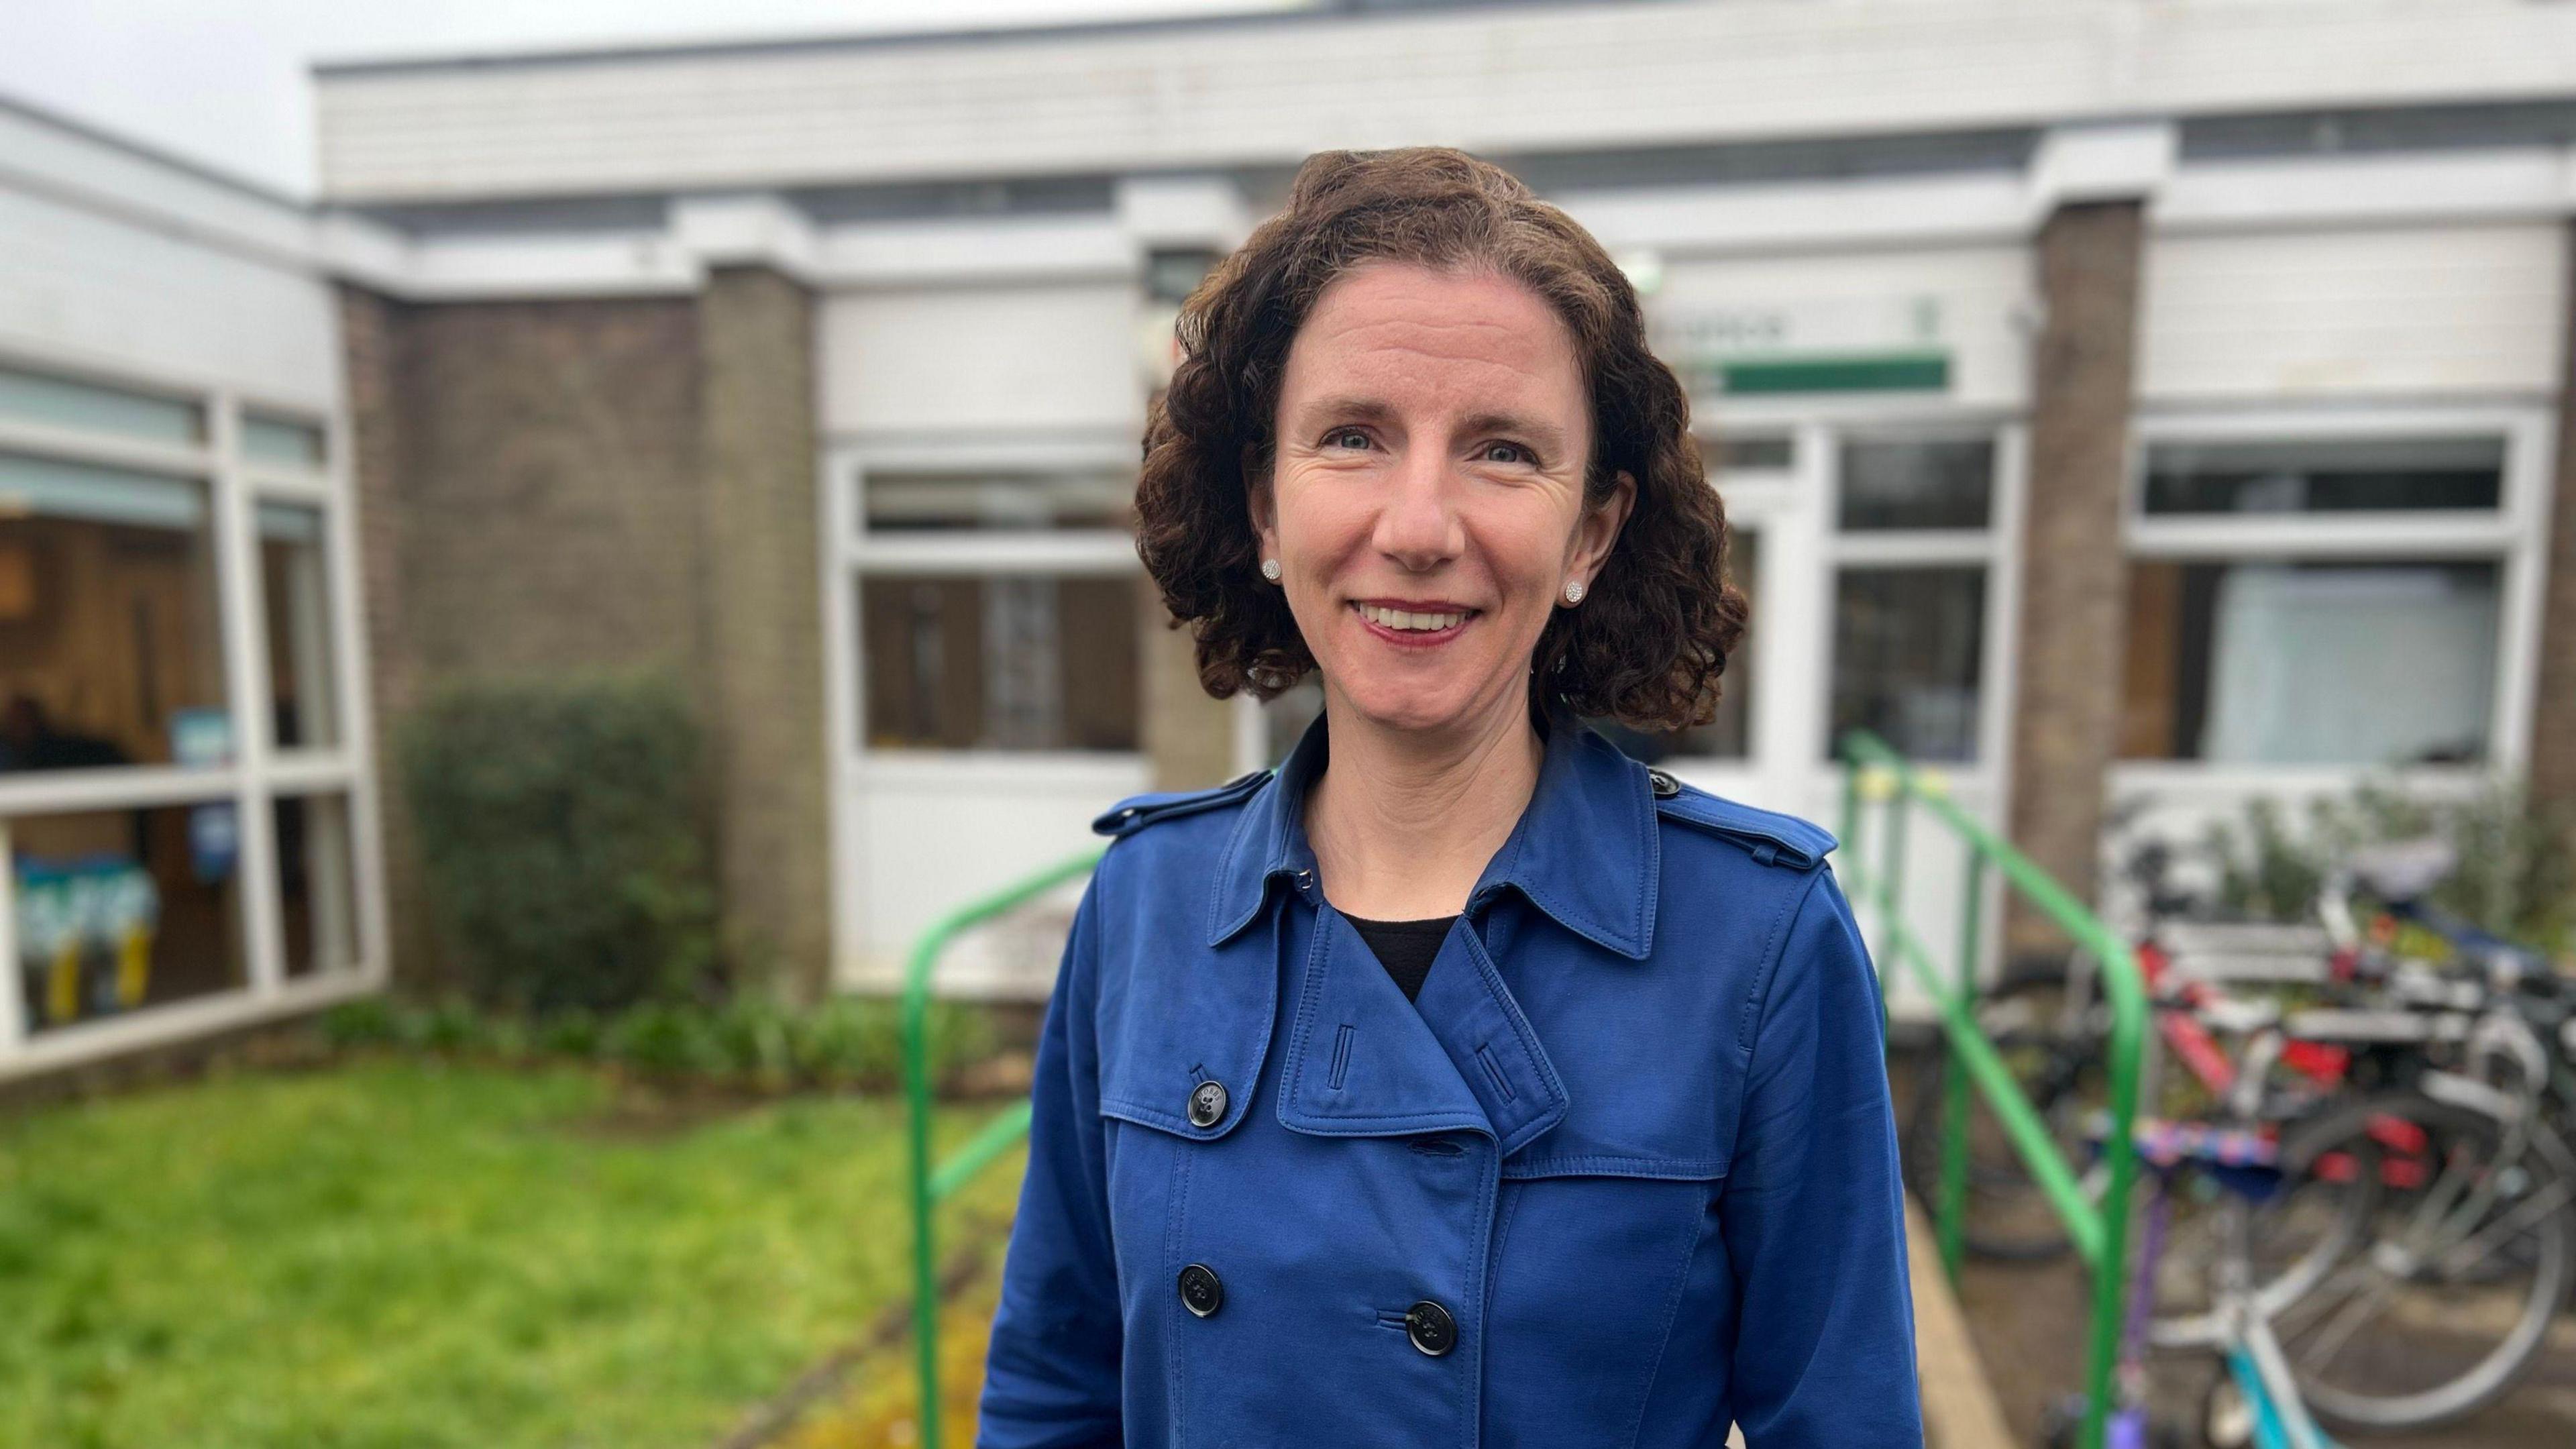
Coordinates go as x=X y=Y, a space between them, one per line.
x=1914 y=547
x=316 y=884
x=284 y=443
x=119 y=910
x=997 y=607
x=898 y=502
x=83 y=407
x=1939 y=484
x=1000 y=662
x=304 y=707
x=126 y=779
x=110 y=643
x=2330 y=476
x=2307 y=662
x=2324 y=600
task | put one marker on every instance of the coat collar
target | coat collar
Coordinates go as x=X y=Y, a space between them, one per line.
x=1586 y=849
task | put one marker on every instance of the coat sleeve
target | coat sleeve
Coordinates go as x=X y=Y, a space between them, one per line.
x=1051 y=1378
x=1814 y=1210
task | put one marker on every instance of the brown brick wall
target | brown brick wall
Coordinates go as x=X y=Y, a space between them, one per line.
x=556 y=484
x=2553 y=725
x=2074 y=579
x=763 y=623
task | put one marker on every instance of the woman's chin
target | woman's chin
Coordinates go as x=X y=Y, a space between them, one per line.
x=1413 y=709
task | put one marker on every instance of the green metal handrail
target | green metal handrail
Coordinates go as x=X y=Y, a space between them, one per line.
x=932 y=1185
x=2099 y=1230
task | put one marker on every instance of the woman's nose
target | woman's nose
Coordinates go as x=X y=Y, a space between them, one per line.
x=1419 y=525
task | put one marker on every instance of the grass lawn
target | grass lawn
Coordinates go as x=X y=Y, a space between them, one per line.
x=412 y=1253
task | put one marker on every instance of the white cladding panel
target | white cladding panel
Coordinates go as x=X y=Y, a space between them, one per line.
x=1530 y=78
x=1961 y=301
x=76 y=284
x=983 y=357
x=2447 y=309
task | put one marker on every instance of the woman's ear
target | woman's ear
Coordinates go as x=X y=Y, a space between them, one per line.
x=1598 y=530
x=1261 y=502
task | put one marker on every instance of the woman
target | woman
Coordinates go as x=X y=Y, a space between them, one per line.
x=1463 y=1082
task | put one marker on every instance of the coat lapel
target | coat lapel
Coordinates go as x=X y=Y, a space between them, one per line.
x=1365 y=1062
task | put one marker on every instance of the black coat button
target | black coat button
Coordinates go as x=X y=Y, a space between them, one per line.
x=1207 y=1104
x=1430 y=1327
x=1201 y=1293
x=1664 y=785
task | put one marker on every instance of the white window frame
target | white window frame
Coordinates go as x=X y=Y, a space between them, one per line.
x=260 y=773
x=1996 y=548
x=2514 y=535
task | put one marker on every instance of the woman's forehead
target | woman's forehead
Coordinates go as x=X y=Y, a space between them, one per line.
x=1394 y=334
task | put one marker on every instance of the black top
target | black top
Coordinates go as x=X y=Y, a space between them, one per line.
x=1405 y=948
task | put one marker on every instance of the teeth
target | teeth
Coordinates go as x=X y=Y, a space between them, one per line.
x=1406 y=619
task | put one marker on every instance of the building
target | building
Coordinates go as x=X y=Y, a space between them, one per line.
x=2118 y=401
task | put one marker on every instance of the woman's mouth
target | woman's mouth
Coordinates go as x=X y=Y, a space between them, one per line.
x=1414 y=626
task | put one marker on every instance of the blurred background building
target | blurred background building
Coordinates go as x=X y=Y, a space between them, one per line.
x=2115 y=399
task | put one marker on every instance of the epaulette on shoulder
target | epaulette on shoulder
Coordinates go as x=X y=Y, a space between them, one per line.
x=1771 y=837
x=1138 y=811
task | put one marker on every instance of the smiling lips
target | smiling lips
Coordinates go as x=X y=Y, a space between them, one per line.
x=1434 y=622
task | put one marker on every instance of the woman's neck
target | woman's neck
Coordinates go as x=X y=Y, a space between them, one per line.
x=1404 y=823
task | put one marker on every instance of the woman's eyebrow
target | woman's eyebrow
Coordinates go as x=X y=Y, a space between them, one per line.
x=1545 y=437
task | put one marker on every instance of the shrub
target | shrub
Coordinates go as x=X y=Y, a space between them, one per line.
x=2517 y=856
x=561 y=836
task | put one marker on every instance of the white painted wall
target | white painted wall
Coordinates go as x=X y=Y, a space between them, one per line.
x=1533 y=78
x=89 y=288
x=2295 y=314
x=1862 y=301
x=985 y=357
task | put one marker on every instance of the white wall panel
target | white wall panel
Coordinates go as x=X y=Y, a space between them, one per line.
x=1509 y=78
x=1868 y=302
x=982 y=357
x=78 y=284
x=2452 y=309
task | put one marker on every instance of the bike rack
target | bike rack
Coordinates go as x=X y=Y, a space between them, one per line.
x=2100 y=1232
x=932 y=1185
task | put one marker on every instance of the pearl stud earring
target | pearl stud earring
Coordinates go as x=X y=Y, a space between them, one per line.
x=1574 y=591
x=1270 y=569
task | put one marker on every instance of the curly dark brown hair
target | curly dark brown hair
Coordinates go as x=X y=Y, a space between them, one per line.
x=1650 y=642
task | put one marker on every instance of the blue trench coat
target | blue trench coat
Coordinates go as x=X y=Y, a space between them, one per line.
x=1623 y=1174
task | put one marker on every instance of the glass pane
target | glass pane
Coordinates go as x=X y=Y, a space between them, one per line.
x=281 y=442
x=909 y=501
x=316 y=884
x=1947 y=483
x=2310 y=663
x=1908 y=657
x=1756 y=453
x=60 y=402
x=2325 y=476
x=120 y=909
x=298 y=604
x=1730 y=735
x=1006 y=662
x=110 y=650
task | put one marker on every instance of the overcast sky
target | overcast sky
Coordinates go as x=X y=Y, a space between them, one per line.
x=223 y=82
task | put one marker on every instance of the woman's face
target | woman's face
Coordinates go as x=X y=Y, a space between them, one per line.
x=1426 y=502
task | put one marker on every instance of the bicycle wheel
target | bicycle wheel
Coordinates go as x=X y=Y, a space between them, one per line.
x=2468 y=1248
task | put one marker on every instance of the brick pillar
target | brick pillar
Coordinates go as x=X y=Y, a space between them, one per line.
x=763 y=625
x=2553 y=724
x=371 y=331
x=2074 y=579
